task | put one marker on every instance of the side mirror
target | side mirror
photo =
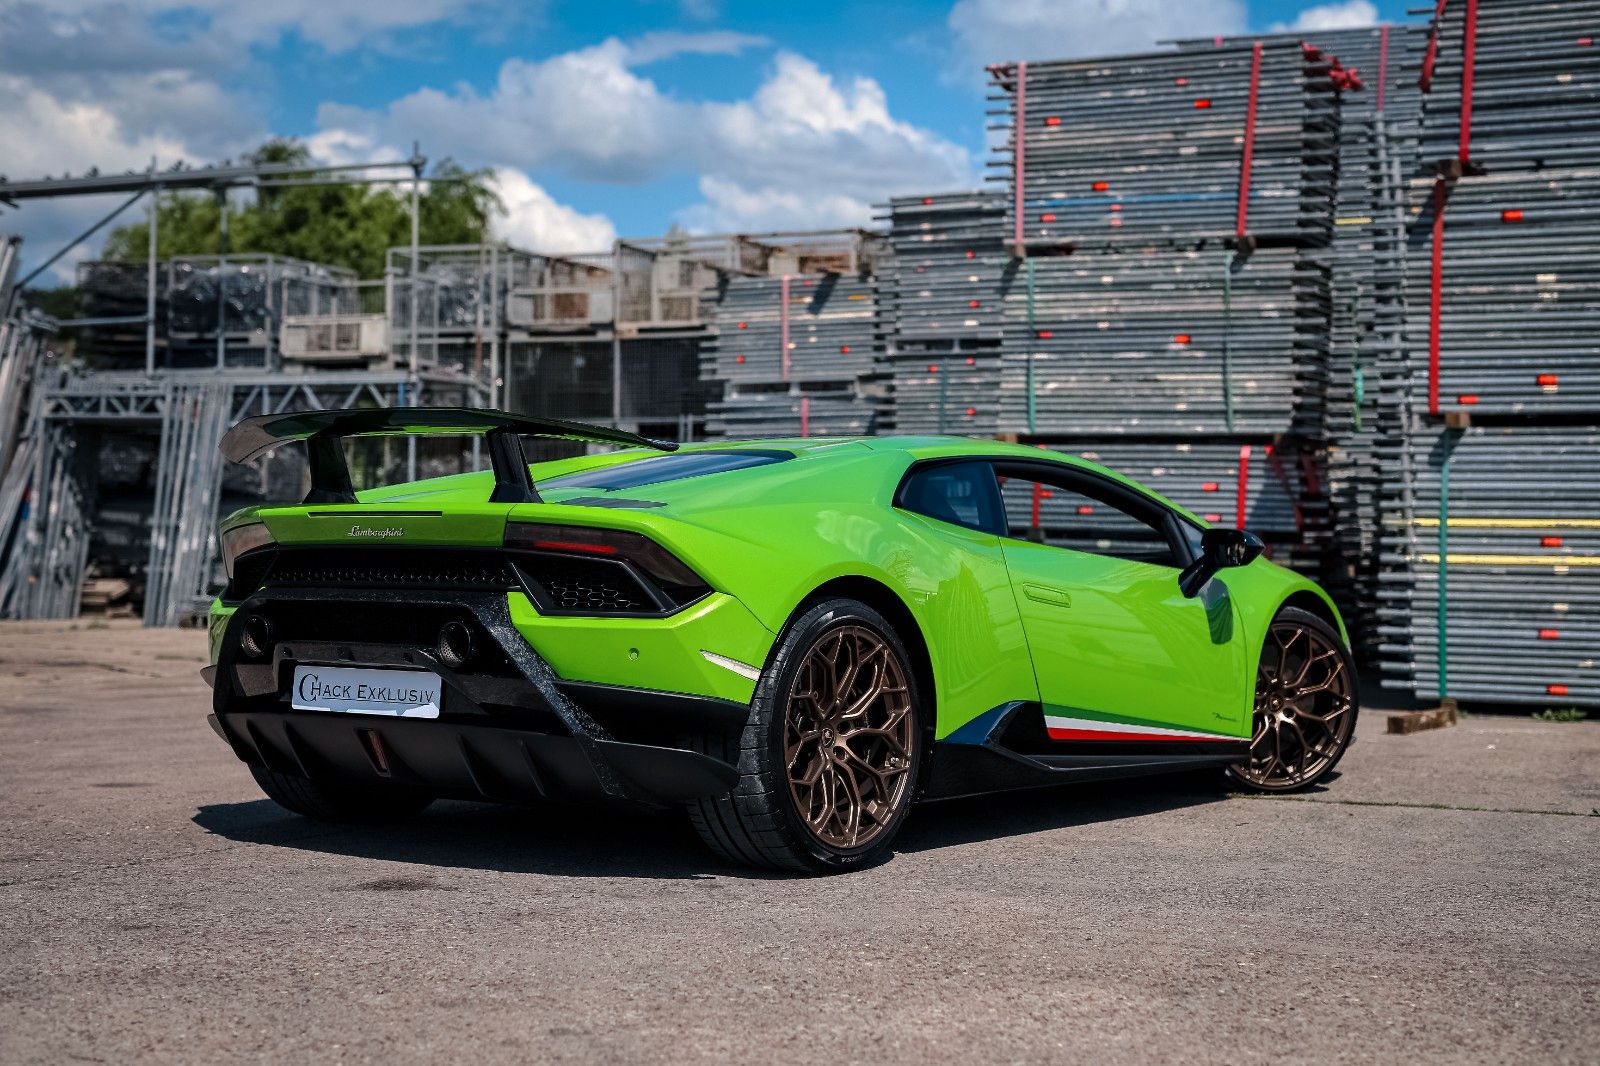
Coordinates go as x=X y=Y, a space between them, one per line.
x=1219 y=549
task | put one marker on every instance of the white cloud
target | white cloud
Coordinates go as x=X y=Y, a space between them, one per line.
x=535 y=221
x=337 y=25
x=653 y=47
x=994 y=31
x=45 y=134
x=805 y=149
x=1346 y=15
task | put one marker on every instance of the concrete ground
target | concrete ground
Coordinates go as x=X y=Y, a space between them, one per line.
x=1437 y=902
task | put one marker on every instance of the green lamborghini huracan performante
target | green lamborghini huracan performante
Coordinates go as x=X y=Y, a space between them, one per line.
x=794 y=640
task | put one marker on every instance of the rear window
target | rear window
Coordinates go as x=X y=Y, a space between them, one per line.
x=660 y=468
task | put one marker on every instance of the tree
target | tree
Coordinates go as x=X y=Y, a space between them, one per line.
x=341 y=225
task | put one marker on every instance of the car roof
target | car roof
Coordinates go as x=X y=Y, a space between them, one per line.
x=938 y=447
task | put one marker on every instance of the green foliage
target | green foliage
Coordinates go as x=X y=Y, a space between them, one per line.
x=342 y=225
x=1561 y=714
x=59 y=302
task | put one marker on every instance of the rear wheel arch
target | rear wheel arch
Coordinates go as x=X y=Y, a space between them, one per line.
x=887 y=602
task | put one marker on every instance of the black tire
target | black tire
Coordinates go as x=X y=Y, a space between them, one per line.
x=1322 y=640
x=760 y=822
x=330 y=802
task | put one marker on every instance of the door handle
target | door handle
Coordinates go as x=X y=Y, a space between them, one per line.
x=1046 y=594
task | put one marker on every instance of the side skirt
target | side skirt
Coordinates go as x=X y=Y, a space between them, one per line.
x=1008 y=749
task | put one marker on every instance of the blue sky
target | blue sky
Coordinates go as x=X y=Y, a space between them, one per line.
x=598 y=118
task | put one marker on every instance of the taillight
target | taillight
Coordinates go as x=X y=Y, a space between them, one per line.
x=241 y=539
x=625 y=573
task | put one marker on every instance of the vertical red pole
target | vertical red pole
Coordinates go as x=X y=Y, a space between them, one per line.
x=783 y=319
x=1469 y=58
x=1429 y=57
x=1435 y=296
x=1383 y=64
x=1019 y=152
x=1244 y=483
x=1249 y=140
x=805 y=416
x=1038 y=495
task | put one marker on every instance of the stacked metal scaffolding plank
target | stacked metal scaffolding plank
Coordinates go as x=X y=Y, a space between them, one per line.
x=1169 y=310
x=1515 y=509
x=1366 y=260
x=943 y=310
x=790 y=348
x=41 y=509
x=1491 y=558
x=1179 y=146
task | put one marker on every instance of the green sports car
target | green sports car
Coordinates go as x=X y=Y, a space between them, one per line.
x=794 y=640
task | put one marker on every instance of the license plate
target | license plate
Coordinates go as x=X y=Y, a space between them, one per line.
x=348 y=690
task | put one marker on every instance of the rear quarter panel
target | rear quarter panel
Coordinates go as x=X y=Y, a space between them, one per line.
x=774 y=538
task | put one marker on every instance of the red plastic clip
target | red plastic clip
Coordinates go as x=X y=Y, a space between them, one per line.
x=1202 y=104
x=1511 y=216
x=1549 y=542
x=1047 y=218
x=1100 y=186
x=1052 y=120
x=1549 y=634
x=1547 y=380
x=1556 y=690
x=1468 y=399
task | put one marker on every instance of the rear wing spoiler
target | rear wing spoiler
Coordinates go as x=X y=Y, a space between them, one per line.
x=322 y=432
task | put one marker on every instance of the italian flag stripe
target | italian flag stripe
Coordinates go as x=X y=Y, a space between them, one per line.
x=1061 y=728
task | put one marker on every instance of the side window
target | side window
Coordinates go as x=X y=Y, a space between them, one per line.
x=1078 y=512
x=961 y=493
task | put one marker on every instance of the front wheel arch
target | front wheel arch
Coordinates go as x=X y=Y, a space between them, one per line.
x=1309 y=602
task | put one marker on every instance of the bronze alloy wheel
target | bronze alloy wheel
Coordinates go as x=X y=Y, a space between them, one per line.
x=848 y=738
x=1304 y=712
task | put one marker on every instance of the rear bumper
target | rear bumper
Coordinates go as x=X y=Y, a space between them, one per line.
x=510 y=730
x=497 y=764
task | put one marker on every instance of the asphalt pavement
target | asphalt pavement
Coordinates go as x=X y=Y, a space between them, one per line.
x=1436 y=902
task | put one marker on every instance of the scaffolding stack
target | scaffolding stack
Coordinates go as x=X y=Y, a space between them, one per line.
x=796 y=355
x=42 y=515
x=1168 y=310
x=942 y=311
x=1366 y=261
x=1491 y=533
